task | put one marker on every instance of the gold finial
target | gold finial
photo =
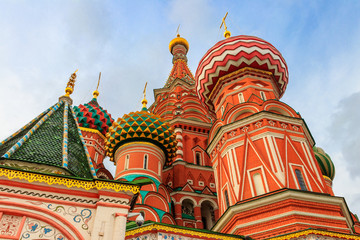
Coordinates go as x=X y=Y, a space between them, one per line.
x=227 y=33
x=70 y=85
x=144 y=101
x=96 y=92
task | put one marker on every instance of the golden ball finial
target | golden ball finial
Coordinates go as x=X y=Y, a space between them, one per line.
x=95 y=94
x=178 y=40
x=227 y=34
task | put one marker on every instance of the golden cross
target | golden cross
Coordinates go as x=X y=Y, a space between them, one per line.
x=223 y=21
x=145 y=90
x=177 y=31
x=226 y=33
x=98 y=81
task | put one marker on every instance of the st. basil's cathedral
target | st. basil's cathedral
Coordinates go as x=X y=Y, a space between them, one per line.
x=216 y=156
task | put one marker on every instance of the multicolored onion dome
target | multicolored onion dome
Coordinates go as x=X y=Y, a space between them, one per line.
x=326 y=165
x=92 y=115
x=235 y=53
x=141 y=126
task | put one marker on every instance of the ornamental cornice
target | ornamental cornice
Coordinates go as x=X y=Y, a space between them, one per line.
x=93 y=131
x=281 y=196
x=175 y=230
x=69 y=182
x=190 y=122
x=256 y=117
x=315 y=232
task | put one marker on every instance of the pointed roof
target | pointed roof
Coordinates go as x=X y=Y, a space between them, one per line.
x=52 y=141
x=92 y=115
x=181 y=71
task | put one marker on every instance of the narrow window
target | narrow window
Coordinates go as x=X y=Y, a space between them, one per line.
x=241 y=98
x=127 y=158
x=258 y=182
x=222 y=110
x=198 y=158
x=159 y=168
x=263 y=97
x=300 y=179
x=96 y=157
x=145 y=161
x=227 y=199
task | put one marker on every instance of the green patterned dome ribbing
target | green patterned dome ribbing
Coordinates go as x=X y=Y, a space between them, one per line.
x=141 y=125
x=326 y=165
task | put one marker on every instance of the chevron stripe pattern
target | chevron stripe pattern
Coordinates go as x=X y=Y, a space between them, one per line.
x=92 y=115
x=141 y=125
x=325 y=163
x=235 y=53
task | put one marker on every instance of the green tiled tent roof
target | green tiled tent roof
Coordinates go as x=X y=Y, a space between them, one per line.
x=51 y=139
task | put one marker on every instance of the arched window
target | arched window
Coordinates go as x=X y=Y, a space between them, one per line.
x=187 y=209
x=262 y=94
x=145 y=161
x=300 y=179
x=222 y=110
x=173 y=208
x=241 y=97
x=198 y=158
x=227 y=199
x=207 y=215
x=127 y=158
x=259 y=185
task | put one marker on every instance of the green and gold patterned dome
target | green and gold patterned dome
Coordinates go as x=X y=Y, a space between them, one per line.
x=326 y=165
x=141 y=126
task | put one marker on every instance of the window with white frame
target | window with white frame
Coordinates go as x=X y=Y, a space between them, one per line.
x=198 y=158
x=127 y=158
x=241 y=97
x=145 y=161
x=258 y=183
x=300 y=179
x=262 y=94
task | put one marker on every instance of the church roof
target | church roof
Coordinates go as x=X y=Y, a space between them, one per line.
x=180 y=70
x=141 y=125
x=92 y=115
x=52 y=141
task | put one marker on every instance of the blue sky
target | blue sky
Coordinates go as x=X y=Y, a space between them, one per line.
x=43 y=42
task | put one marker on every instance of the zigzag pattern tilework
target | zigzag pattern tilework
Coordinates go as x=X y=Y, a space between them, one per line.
x=69 y=182
x=141 y=125
x=235 y=53
x=325 y=163
x=92 y=115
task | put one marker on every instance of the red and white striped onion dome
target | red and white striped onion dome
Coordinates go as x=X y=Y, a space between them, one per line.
x=233 y=54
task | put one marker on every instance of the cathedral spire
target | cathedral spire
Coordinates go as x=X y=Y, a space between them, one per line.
x=96 y=92
x=144 y=101
x=69 y=89
x=179 y=47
